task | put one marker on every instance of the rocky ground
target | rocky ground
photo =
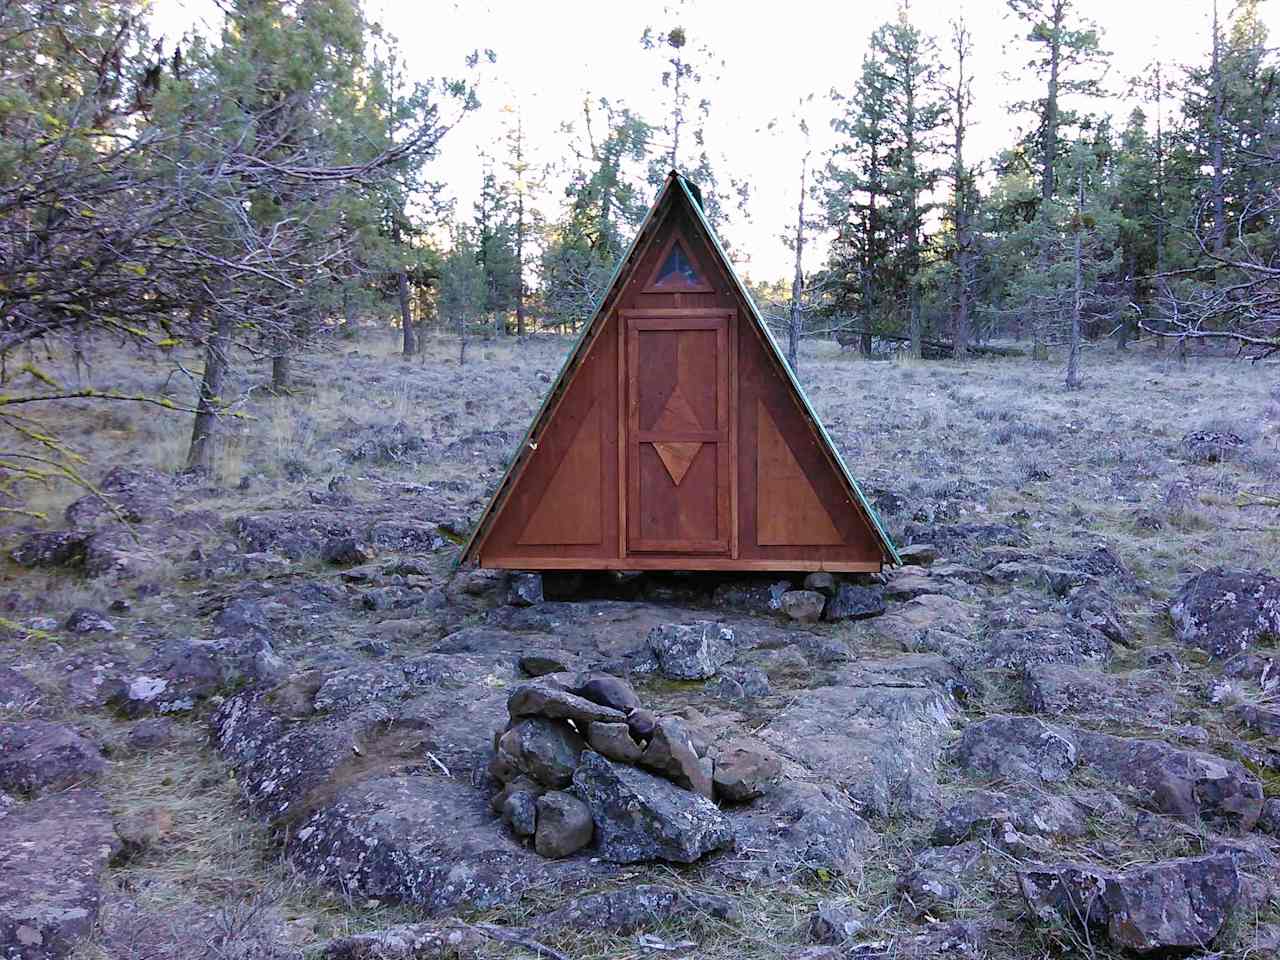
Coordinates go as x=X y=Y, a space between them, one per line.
x=256 y=714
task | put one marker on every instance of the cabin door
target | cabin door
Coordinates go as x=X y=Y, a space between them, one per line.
x=676 y=432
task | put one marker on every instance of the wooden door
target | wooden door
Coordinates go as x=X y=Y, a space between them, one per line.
x=677 y=432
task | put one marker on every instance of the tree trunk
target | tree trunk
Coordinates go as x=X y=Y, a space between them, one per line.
x=1219 y=199
x=216 y=356
x=797 y=280
x=281 y=370
x=406 y=315
x=1073 y=358
x=1050 y=143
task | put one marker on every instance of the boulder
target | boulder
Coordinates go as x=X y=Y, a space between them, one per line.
x=53 y=548
x=855 y=603
x=520 y=812
x=1171 y=905
x=1074 y=643
x=1016 y=748
x=543 y=698
x=83 y=620
x=917 y=554
x=803 y=606
x=174 y=679
x=821 y=582
x=671 y=753
x=524 y=589
x=610 y=692
x=52 y=851
x=564 y=825
x=539 y=663
x=745 y=769
x=17 y=692
x=691 y=651
x=1211 y=446
x=613 y=740
x=346 y=551
x=1139 y=697
x=38 y=756
x=1226 y=612
x=641 y=817
x=938 y=878
x=987 y=813
x=545 y=750
x=751 y=596
x=1095 y=608
x=151 y=734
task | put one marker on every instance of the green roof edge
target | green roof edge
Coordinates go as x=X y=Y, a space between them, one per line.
x=571 y=358
x=885 y=540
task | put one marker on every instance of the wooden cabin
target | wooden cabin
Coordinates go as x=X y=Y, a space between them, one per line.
x=676 y=436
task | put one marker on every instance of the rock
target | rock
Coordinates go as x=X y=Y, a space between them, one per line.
x=1270 y=818
x=17 y=692
x=803 y=606
x=525 y=589
x=1191 y=786
x=739 y=683
x=546 y=750
x=613 y=740
x=855 y=603
x=55 y=548
x=917 y=554
x=564 y=825
x=1016 y=748
x=691 y=651
x=745 y=769
x=911 y=582
x=641 y=817
x=539 y=663
x=423 y=840
x=1265 y=720
x=821 y=582
x=1137 y=697
x=796 y=829
x=1095 y=608
x=639 y=907
x=346 y=551
x=1071 y=643
x=38 y=756
x=52 y=851
x=751 y=596
x=542 y=698
x=835 y=922
x=174 y=679
x=986 y=813
x=83 y=621
x=642 y=724
x=610 y=692
x=410 y=941
x=1171 y=905
x=671 y=753
x=1211 y=446
x=939 y=877
x=520 y=812
x=1226 y=612
x=519 y=784
x=151 y=734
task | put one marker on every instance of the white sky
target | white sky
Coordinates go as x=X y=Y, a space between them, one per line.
x=550 y=54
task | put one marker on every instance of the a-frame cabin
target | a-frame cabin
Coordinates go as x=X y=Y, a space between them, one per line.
x=676 y=436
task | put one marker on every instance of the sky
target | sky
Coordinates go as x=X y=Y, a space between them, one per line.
x=767 y=58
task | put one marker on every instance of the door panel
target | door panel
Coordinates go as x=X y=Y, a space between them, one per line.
x=677 y=434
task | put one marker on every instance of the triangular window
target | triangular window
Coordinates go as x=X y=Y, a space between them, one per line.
x=677 y=270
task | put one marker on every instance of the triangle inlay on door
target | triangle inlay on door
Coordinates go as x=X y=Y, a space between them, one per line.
x=677 y=457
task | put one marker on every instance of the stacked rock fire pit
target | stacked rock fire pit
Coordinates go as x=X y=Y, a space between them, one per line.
x=582 y=760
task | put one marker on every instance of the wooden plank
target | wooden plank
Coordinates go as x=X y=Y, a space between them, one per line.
x=691 y=562
x=676 y=457
x=569 y=509
x=734 y=523
x=788 y=510
x=622 y=434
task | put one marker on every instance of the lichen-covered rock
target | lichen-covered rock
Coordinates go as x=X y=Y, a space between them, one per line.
x=1226 y=612
x=855 y=603
x=520 y=812
x=564 y=825
x=53 y=548
x=691 y=651
x=525 y=589
x=51 y=853
x=938 y=878
x=546 y=750
x=803 y=606
x=835 y=922
x=794 y=830
x=1138 y=697
x=1171 y=905
x=17 y=692
x=174 y=679
x=987 y=813
x=37 y=756
x=1094 y=607
x=1016 y=748
x=84 y=620
x=1070 y=643
x=821 y=582
x=346 y=551
x=424 y=840
x=745 y=769
x=640 y=817
x=1211 y=446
